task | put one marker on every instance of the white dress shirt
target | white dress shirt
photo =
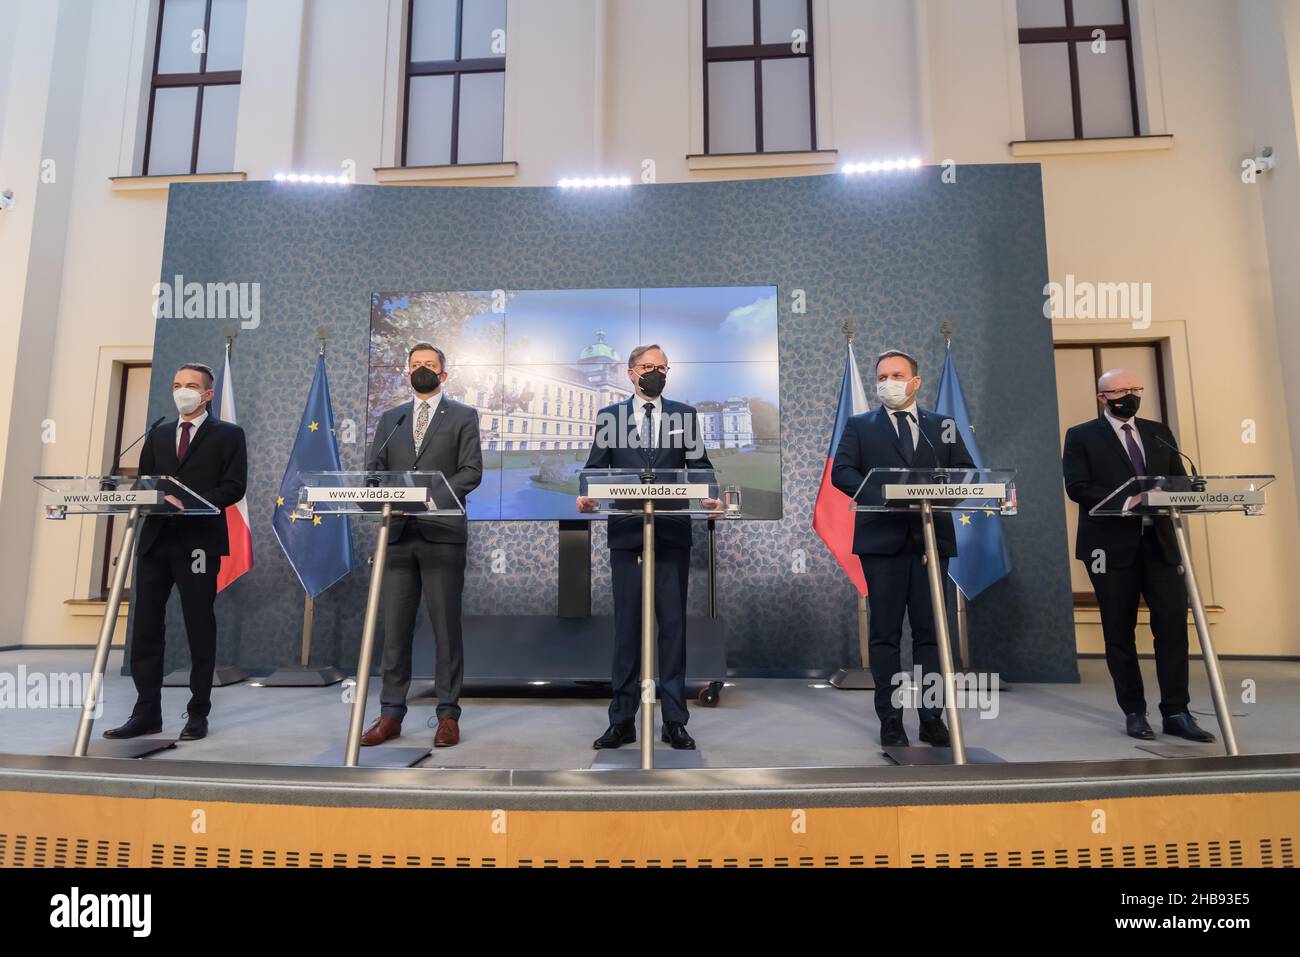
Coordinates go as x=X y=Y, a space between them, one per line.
x=638 y=407
x=1118 y=424
x=415 y=412
x=194 y=423
x=911 y=420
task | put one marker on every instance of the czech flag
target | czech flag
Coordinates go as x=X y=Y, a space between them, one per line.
x=832 y=515
x=240 y=558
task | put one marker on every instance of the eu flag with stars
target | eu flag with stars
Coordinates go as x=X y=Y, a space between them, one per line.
x=319 y=548
x=982 y=556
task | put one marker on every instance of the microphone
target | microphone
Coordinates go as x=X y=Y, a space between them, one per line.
x=108 y=486
x=373 y=481
x=938 y=478
x=1197 y=483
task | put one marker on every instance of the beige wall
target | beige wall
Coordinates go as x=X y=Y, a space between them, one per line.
x=598 y=86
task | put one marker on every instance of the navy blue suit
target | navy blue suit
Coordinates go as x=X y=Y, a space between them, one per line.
x=891 y=546
x=679 y=445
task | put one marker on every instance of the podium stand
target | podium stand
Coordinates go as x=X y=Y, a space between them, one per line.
x=374 y=495
x=82 y=495
x=647 y=492
x=1173 y=497
x=926 y=491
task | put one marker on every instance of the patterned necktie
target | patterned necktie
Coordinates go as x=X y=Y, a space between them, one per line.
x=648 y=433
x=184 y=447
x=421 y=423
x=905 y=436
x=1134 y=452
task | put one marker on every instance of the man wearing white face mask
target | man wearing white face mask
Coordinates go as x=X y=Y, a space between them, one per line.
x=890 y=545
x=208 y=457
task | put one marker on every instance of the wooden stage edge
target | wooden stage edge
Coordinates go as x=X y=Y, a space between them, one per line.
x=40 y=829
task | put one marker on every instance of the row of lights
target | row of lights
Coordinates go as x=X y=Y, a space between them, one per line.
x=882 y=166
x=315 y=178
x=594 y=182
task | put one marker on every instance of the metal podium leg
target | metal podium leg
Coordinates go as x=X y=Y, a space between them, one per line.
x=941 y=635
x=95 y=690
x=1217 y=692
x=648 y=635
x=353 y=751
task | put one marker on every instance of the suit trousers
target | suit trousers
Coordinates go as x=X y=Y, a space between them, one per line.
x=1162 y=585
x=672 y=573
x=169 y=562
x=899 y=585
x=438 y=570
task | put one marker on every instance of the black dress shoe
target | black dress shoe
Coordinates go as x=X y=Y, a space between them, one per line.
x=1183 y=725
x=674 y=733
x=1136 y=726
x=616 y=735
x=194 y=729
x=892 y=734
x=934 y=732
x=135 y=726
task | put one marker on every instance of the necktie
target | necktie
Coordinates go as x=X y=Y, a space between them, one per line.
x=1134 y=452
x=905 y=436
x=421 y=424
x=647 y=430
x=184 y=447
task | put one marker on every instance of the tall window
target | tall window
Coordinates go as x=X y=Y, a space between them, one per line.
x=194 y=95
x=758 y=76
x=1076 y=64
x=455 y=82
x=127 y=420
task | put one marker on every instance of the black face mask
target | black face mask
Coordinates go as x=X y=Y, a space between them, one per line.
x=1124 y=407
x=424 y=380
x=652 y=383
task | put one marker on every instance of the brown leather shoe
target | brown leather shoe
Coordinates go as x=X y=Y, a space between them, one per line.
x=382 y=730
x=448 y=733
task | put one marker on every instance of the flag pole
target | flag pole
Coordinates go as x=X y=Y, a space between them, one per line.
x=856 y=679
x=303 y=675
x=963 y=624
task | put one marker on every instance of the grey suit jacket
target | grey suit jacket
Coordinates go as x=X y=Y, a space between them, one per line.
x=451 y=446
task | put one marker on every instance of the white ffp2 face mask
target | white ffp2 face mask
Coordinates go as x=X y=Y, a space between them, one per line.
x=187 y=400
x=893 y=392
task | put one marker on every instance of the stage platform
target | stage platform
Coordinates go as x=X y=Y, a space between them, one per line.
x=792 y=777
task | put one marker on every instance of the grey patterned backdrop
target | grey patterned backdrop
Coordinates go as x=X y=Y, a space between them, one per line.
x=897 y=254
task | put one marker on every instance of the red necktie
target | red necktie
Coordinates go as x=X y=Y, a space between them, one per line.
x=185 y=441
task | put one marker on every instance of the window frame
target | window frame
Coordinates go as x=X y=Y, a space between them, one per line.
x=1071 y=35
x=200 y=80
x=758 y=52
x=454 y=68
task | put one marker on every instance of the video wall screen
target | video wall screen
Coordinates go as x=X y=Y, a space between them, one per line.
x=538 y=364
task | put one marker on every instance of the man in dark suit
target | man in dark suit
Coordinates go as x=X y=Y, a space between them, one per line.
x=430 y=432
x=1133 y=556
x=208 y=457
x=648 y=431
x=891 y=545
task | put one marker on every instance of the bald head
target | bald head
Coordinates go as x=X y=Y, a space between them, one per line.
x=1117 y=379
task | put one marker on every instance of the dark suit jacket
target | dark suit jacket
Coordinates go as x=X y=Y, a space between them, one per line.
x=1096 y=463
x=673 y=452
x=451 y=446
x=870 y=441
x=215 y=467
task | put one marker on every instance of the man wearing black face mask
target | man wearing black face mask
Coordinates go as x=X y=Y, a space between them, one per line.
x=648 y=431
x=1128 y=558
x=425 y=554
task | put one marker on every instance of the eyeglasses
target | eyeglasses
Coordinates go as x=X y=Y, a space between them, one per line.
x=1120 y=393
x=643 y=369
